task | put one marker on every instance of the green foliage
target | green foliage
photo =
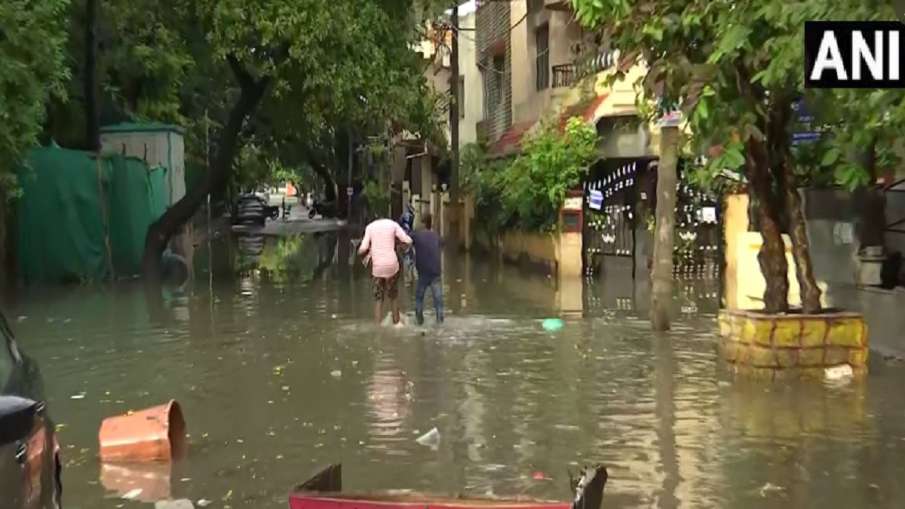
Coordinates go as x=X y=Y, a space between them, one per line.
x=527 y=192
x=32 y=69
x=482 y=178
x=552 y=162
x=378 y=199
x=734 y=65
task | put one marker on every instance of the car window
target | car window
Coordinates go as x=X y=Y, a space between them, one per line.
x=6 y=356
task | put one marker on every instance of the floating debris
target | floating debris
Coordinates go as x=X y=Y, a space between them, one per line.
x=552 y=324
x=839 y=372
x=336 y=373
x=174 y=504
x=768 y=488
x=430 y=439
x=132 y=494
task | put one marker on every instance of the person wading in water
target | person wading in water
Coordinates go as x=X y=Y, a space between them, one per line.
x=428 y=262
x=379 y=247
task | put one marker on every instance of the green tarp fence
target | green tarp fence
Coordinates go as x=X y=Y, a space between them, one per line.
x=82 y=218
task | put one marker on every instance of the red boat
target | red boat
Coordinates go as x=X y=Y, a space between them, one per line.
x=324 y=491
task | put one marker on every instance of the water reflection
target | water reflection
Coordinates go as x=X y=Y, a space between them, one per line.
x=280 y=370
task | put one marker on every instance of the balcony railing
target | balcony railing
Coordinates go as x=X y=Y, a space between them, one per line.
x=558 y=5
x=563 y=75
x=566 y=75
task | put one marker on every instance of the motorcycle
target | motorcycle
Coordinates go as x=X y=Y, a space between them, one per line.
x=324 y=209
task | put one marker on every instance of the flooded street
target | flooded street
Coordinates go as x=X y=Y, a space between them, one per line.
x=280 y=371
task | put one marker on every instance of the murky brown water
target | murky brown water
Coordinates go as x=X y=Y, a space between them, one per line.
x=253 y=367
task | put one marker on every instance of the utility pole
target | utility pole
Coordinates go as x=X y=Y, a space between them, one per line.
x=667 y=181
x=92 y=118
x=454 y=107
x=349 y=179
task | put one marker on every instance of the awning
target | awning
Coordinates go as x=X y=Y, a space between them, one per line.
x=510 y=143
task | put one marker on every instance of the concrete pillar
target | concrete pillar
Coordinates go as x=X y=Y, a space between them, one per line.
x=398 y=175
x=570 y=246
x=465 y=225
x=570 y=295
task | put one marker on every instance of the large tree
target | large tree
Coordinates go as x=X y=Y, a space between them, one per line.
x=32 y=69
x=737 y=67
x=293 y=58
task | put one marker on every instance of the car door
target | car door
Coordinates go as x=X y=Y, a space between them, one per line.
x=29 y=452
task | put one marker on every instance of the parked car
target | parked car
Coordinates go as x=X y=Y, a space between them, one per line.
x=30 y=465
x=253 y=210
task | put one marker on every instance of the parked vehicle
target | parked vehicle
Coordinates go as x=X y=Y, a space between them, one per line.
x=252 y=210
x=323 y=491
x=29 y=452
x=322 y=208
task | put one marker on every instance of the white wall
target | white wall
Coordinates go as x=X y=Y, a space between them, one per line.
x=474 y=90
x=156 y=148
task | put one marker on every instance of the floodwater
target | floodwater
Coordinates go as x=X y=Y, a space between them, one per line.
x=279 y=372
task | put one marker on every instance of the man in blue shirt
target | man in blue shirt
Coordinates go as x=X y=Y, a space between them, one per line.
x=427 y=260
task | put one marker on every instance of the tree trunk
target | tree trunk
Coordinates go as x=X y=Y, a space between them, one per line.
x=92 y=116
x=215 y=181
x=667 y=180
x=780 y=118
x=772 y=255
x=329 y=183
x=810 y=292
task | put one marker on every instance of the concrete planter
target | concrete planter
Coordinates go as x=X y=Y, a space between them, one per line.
x=795 y=345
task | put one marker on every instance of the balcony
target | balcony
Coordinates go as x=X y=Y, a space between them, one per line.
x=567 y=75
x=558 y=5
x=482 y=131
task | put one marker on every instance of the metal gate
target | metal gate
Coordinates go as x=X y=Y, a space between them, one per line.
x=619 y=220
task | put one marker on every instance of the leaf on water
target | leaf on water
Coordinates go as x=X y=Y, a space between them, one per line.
x=131 y=495
x=229 y=495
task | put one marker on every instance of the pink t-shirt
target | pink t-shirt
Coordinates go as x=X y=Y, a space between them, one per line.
x=380 y=239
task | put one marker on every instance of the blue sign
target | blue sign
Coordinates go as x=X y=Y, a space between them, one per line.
x=804 y=118
x=595 y=201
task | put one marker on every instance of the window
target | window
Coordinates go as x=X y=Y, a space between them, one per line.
x=542 y=44
x=461 y=96
x=499 y=68
x=494 y=75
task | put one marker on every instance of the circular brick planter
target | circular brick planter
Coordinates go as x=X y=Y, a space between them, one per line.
x=796 y=345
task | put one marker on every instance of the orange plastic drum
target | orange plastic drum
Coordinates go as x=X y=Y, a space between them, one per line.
x=153 y=434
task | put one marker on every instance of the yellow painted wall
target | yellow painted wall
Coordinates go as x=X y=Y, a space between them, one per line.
x=744 y=283
x=536 y=247
x=559 y=251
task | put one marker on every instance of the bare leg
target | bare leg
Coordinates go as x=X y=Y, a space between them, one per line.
x=378 y=311
x=394 y=304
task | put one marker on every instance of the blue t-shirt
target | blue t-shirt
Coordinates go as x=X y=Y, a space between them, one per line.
x=427 y=253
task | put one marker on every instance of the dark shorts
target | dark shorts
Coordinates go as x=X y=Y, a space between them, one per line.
x=386 y=288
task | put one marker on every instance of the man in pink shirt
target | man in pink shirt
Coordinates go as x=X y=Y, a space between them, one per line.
x=379 y=245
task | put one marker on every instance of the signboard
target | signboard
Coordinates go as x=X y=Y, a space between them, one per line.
x=671 y=119
x=708 y=215
x=573 y=203
x=804 y=132
x=595 y=200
